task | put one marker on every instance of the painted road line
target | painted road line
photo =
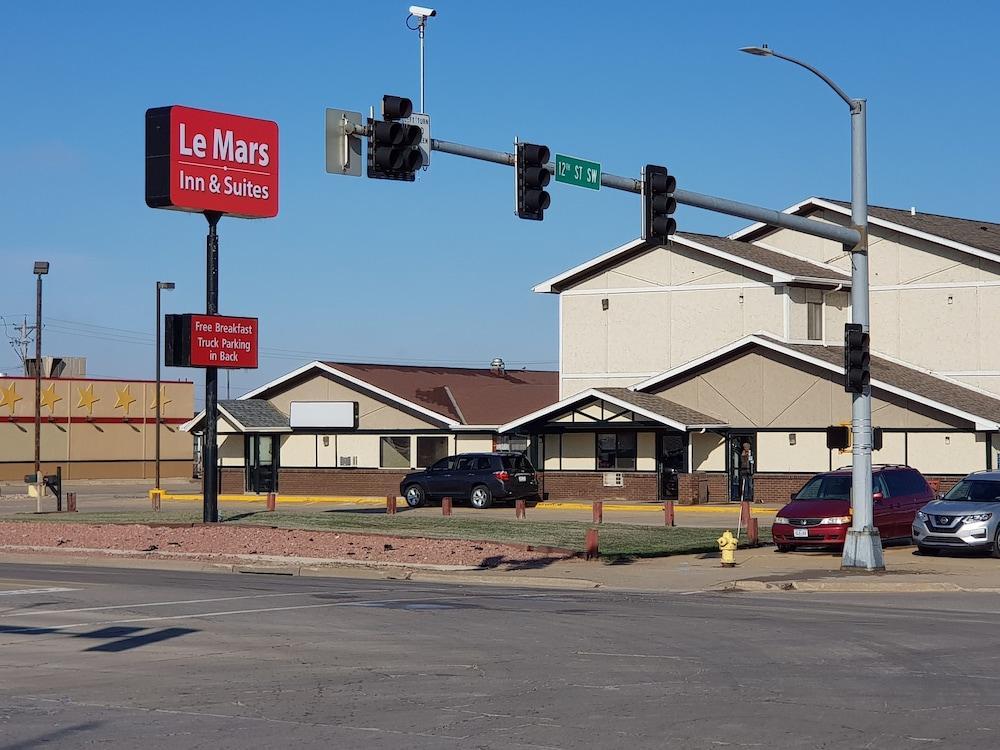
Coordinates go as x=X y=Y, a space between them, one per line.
x=23 y=592
x=34 y=612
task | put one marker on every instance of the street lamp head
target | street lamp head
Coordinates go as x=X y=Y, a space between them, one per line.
x=164 y=285
x=761 y=51
x=41 y=267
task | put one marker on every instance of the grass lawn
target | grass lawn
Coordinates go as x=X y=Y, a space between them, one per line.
x=616 y=540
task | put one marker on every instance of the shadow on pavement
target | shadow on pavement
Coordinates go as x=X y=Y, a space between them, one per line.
x=509 y=563
x=119 y=638
x=54 y=735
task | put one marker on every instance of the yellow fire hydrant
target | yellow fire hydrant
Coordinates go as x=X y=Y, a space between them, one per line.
x=727 y=545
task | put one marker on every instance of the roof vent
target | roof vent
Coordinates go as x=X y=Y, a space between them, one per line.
x=497 y=366
x=913 y=210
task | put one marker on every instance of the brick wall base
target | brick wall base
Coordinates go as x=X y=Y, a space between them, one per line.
x=232 y=481
x=347 y=482
x=589 y=485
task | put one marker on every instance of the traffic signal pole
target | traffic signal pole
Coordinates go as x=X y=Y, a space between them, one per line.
x=844 y=235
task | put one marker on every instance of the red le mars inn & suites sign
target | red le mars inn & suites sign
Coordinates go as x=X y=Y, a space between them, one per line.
x=197 y=160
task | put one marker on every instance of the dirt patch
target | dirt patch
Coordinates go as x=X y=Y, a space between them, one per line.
x=246 y=540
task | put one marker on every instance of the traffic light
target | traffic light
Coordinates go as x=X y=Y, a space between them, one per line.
x=531 y=177
x=393 y=146
x=658 y=203
x=857 y=360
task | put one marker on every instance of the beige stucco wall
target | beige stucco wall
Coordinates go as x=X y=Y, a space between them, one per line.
x=947 y=453
x=372 y=413
x=473 y=443
x=231 y=449
x=708 y=452
x=645 y=451
x=578 y=450
x=365 y=447
x=893 y=450
x=298 y=451
x=552 y=454
x=763 y=391
x=931 y=305
x=662 y=312
x=776 y=453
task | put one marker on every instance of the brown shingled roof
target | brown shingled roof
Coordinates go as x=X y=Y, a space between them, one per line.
x=909 y=379
x=984 y=235
x=663 y=407
x=466 y=395
x=768 y=258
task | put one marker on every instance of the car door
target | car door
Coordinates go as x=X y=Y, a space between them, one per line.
x=439 y=475
x=888 y=512
x=460 y=481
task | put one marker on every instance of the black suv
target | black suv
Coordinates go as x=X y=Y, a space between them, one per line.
x=480 y=477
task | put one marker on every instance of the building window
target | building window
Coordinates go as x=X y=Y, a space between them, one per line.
x=814 y=322
x=430 y=450
x=616 y=450
x=394 y=452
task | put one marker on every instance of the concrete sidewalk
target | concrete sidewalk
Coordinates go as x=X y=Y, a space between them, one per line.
x=761 y=569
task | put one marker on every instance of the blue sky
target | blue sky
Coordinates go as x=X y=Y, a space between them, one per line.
x=440 y=270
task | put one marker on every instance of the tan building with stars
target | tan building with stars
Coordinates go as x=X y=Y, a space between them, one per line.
x=95 y=428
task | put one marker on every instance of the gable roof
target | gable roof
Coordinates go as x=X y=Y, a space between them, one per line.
x=652 y=407
x=247 y=415
x=456 y=397
x=980 y=238
x=781 y=267
x=889 y=375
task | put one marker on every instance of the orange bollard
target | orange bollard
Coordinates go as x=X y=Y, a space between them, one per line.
x=753 y=533
x=591 y=544
x=668 y=513
x=390 y=505
x=598 y=511
x=519 y=508
x=446 y=506
x=272 y=501
x=71 y=502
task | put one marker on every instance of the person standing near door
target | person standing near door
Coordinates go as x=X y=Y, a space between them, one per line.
x=746 y=471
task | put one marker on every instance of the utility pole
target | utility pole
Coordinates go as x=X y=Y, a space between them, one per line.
x=41 y=268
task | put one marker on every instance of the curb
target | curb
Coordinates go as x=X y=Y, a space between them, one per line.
x=418 y=572
x=845 y=586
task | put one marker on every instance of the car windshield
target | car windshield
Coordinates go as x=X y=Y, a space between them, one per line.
x=975 y=491
x=826 y=487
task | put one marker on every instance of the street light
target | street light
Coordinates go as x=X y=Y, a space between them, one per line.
x=160 y=285
x=41 y=269
x=863 y=548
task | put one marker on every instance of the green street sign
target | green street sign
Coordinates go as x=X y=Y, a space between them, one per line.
x=579 y=172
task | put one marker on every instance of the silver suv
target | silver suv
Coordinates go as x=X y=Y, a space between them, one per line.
x=968 y=517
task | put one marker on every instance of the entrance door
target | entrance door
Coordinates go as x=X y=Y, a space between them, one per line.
x=738 y=487
x=671 y=461
x=262 y=463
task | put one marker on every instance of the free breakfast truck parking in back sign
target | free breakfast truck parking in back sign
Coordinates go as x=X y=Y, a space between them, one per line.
x=197 y=160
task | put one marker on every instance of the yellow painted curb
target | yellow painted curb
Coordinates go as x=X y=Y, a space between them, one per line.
x=333 y=499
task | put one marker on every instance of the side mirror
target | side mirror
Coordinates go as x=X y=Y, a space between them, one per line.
x=878 y=497
x=792 y=496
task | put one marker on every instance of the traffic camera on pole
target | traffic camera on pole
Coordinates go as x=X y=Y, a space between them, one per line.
x=393 y=146
x=857 y=360
x=531 y=176
x=658 y=203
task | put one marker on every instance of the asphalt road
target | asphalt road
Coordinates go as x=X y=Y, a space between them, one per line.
x=118 y=658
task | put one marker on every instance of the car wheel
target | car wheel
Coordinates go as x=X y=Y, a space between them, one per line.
x=784 y=548
x=481 y=497
x=415 y=496
x=995 y=547
x=929 y=551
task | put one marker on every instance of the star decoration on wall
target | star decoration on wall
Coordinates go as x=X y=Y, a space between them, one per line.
x=9 y=397
x=163 y=399
x=87 y=399
x=125 y=398
x=49 y=397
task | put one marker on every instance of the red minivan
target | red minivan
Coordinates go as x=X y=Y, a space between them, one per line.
x=819 y=514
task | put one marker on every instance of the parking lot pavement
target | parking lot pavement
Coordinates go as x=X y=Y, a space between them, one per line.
x=127 y=659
